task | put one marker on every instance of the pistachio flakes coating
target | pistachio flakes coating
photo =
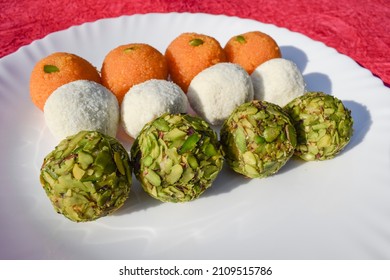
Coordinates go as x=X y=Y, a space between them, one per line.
x=258 y=138
x=324 y=125
x=87 y=176
x=176 y=157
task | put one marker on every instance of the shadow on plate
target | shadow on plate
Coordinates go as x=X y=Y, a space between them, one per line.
x=318 y=82
x=226 y=181
x=291 y=164
x=296 y=55
x=314 y=81
x=138 y=200
x=361 y=123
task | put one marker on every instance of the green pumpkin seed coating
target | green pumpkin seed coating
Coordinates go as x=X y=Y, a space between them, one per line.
x=176 y=157
x=87 y=176
x=323 y=124
x=258 y=138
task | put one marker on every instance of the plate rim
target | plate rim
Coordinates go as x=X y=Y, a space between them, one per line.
x=230 y=17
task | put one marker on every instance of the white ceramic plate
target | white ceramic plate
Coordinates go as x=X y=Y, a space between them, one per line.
x=336 y=209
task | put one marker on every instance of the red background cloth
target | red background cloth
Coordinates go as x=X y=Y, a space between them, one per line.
x=357 y=28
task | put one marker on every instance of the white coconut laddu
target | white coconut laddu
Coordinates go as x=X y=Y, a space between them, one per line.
x=147 y=101
x=216 y=91
x=81 y=105
x=277 y=81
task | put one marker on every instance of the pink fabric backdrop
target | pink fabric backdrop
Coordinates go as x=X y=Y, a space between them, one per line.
x=357 y=28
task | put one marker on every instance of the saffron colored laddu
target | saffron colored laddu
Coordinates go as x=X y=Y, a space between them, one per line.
x=131 y=64
x=251 y=49
x=189 y=54
x=56 y=70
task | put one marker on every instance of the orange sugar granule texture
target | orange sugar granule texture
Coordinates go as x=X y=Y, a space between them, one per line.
x=190 y=53
x=251 y=49
x=56 y=70
x=131 y=64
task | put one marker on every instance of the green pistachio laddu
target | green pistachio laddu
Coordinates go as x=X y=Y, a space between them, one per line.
x=87 y=176
x=324 y=125
x=258 y=138
x=176 y=157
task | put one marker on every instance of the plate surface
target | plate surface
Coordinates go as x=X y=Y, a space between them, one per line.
x=336 y=209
